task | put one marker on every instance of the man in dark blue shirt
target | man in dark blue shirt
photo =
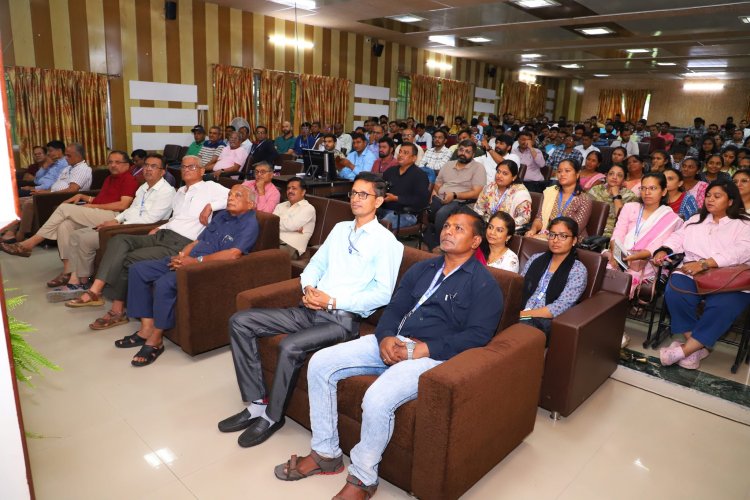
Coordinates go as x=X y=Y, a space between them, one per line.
x=305 y=140
x=442 y=307
x=152 y=284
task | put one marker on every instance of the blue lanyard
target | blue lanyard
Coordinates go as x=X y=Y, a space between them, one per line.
x=560 y=208
x=436 y=282
x=143 y=201
x=546 y=278
x=638 y=225
x=500 y=201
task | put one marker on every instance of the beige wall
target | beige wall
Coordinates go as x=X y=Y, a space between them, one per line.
x=669 y=102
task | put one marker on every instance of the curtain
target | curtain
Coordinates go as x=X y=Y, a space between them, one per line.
x=322 y=98
x=610 y=103
x=537 y=97
x=233 y=95
x=273 y=109
x=424 y=97
x=514 y=99
x=60 y=104
x=455 y=98
x=635 y=103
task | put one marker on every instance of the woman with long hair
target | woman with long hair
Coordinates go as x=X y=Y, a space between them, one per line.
x=729 y=155
x=563 y=199
x=681 y=202
x=690 y=169
x=708 y=148
x=553 y=280
x=500 y=229
x=712 y=170
x=507 y=194
x=590 y=175
x=619 y=155
x=660 y=160
x=689 y=142
x=614 y=193
x=718 y=236
x=741 y=179
x=635 y=173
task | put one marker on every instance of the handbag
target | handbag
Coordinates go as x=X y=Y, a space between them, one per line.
x=720 y=280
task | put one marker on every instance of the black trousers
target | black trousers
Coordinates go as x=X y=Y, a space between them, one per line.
x=308 y=331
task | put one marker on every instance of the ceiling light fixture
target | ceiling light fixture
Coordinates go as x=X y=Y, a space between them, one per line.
x=571 y=66
x=531 y=56
x=431 y=63
x=705 y=74
x=291 y=42
x=302 y=4
x=407 y=18
x=637 y=51
x=527 y=77
x=597 y=31
x=536 y=4
x=745 y=19
x=666 y=64
x=477 y=39
x=600 y=75
x=531 y=65
x=578 y=89
x=703 y=86
x=448 y=40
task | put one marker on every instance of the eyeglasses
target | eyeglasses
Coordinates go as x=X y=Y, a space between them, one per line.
x=262 y=172
x=560 y=236
x=191 y=168
x=651 y=189
x=151 y=166
x=362 y=195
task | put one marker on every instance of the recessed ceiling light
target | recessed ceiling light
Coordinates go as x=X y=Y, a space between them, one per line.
x=531 y=56
x=302 y=4
x=578 y=89
x=407 y=18
x=291 y=42
x=705 y=86
x=477 y=39
x=527 y=76
x=600 y=75
x=705 y=74
x=448 y=40
x=745 y=19
x=535 y=4
x=531 y=65
x=708 y=63
x=637 y=51
x=600 y=30
x=666 y=64
x=431 y=63
x=571 y=66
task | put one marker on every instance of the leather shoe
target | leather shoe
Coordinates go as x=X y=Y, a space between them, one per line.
x=236 y=422
x=258 y=431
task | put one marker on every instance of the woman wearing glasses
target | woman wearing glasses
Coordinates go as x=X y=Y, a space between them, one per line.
x=690 y=181
x=564 y=199
x=553 y=280
x=742 y=180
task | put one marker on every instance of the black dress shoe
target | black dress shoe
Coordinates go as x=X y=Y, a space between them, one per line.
x=259 y=430
x=236 y=422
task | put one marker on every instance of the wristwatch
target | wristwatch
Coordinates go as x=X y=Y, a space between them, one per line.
x=330 y=304
x=455 y=196
x=410 y=345
x=200 y=259
x=704 y=264
x=618 y=197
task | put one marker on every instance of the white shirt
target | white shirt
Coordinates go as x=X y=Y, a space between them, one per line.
x=585 y=152
x=490 y=165
x=344 y=141
x=426 y=138
x=631 y=147
x=248 y=145
x=189 y=203
x=293 y=217
x=149 y=205
x=357 y=268
x=80 y=174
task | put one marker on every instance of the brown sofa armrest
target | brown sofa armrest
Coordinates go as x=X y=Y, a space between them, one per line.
x=473 y=410
x=46 y=203
x=107 y=233
x=205 y=294
x=583 y=352
x=283 y=294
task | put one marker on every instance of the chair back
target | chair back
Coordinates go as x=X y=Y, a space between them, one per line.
x=268 y=232
x=536 y=203
x=97 y=177
x=522 y=171
x=321 y=206
x=284 y=156
x=643 y=148
x=656 y=143
x=182 y=153
x=171 y=153
x=598 y=220
x=606 y=152
x=290 y=167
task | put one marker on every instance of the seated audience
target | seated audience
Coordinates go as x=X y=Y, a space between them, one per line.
x=708 y=148
x=496 y=155
x=152 y=284
x=741 y=179
x=265 y=195
x=343 y=140
x=712 y=170
x=408 y=189
x=718 y=236
x=360 y=159
x=262 y=150
x=506 y=193
x=199 y=136
x=435 y=157
x=334 y=301
x=373 y=139
x=305 y=140
x=228 y=131
x=137 y=161
x=533 y=159
x=74 y=177
x=407 y=135
x=245 y=142
x=691 y=181
x=231 y=159
x=327 y=129
x=500 y=230
x=641 y=132
x=423 y=138
x=586 y=145
x=563 y=199
x=296 y=219
x=567 y=152
x=619 y=155
x=191 y=209
x=660 y=160
x=212 y=146
x=666 y=135
x=698 y=129
x=554 y=280
x=152 y=203
x=624 y=141
x=729 y=155
x=614 y=193
x=456 y=127
x=330 y=144
x=689 y=142
x=737 y=139
x=385 y=158
x=636 y=168
x=590 y=175
x=404 y=346
x=36 y=170
x=56 y=151
x=680 y=201
x=284 y=143
x=465 y=134
x=457 y=181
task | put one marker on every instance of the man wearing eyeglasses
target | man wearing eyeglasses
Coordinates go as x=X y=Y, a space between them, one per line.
x=191 y=208
x=262 y=150
x=267 y=196
x=408 y=189
x=349 y=277
x=152 y=203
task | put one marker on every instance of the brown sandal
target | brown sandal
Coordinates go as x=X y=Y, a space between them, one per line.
x=15 y=249
x=325 y=467
x=94 y=300
x=61 y=279
x=109 y=320
x=356 y=489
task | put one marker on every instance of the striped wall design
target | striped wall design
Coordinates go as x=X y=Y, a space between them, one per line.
x=132 y=39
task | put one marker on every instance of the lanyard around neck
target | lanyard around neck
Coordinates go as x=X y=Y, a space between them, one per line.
x=438 y=280
x=561 y=209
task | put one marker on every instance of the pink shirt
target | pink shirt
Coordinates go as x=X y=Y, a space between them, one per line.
x=269 y=200
x=727 y=242
x=228 y=157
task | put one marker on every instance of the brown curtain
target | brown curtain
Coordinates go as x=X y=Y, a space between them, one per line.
x=60 y=104
x=273 y=101
x=635 y=103
x=514 y=99
x=233 y=95
x=455 y=98
x=537 y=97
x=322 y=98
x=610 y=103
x=424 y=97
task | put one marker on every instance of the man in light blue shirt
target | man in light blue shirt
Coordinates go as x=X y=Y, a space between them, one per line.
x=359 y=160
x=352 y=275
x=55 y=151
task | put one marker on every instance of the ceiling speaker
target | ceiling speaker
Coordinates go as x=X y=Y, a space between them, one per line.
x=170 y=11
x=491 y=71
x=377 y=49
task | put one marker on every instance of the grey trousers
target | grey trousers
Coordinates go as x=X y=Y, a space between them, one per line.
x=124 y=249
x=308 y=331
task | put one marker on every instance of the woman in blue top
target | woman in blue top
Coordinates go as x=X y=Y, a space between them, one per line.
x=554 y=280
x=681 y=202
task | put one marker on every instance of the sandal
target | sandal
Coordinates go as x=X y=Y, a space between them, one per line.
x=15 y=249
x=149 y=353
x=61 y=279
x=108 y=320
x=326 y=467
x=354 y=488
x=134 y=340
x=94 y=300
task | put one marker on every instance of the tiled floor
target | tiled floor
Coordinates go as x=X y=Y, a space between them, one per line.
x=112 y=431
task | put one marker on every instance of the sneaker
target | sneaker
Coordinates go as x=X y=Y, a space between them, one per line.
x=671 y=355
x=66 y=292
x=693 y=362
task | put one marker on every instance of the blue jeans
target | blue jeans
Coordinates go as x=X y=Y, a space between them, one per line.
x=394 y=386
x=720 y=311
x=406 y=220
